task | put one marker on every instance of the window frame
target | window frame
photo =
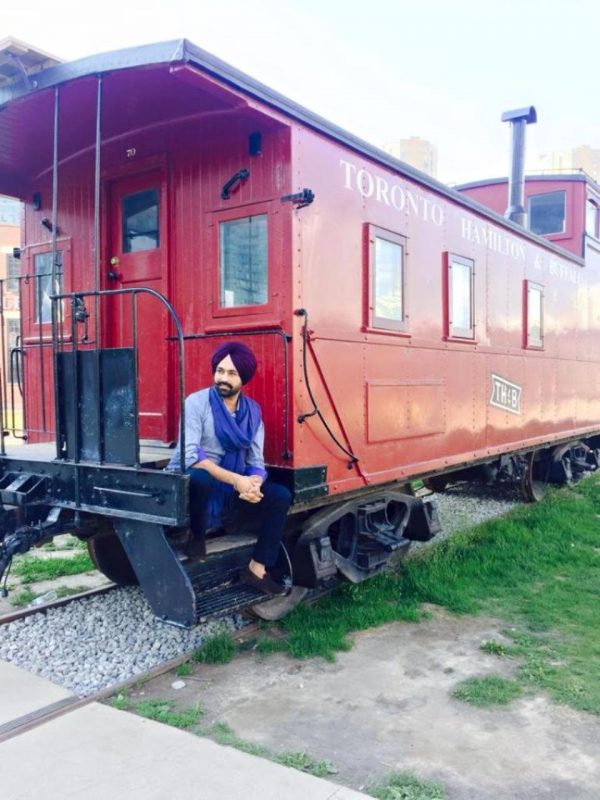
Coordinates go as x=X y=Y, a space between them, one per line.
x=125 y=219
x=372 y=321
x=13 y=273
x=564 y=229
x=453 y=332
x=592 y=201
x=8 y=344
x=528 y=342
x=32 y=329
x=214 y=229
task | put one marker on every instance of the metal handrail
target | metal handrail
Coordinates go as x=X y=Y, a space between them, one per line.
x=76 y=297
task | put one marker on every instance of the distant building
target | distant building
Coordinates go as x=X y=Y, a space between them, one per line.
x=583 y=157
x=415 y=151
x=10 y=237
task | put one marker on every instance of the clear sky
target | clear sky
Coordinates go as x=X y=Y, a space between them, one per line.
x=383 y=69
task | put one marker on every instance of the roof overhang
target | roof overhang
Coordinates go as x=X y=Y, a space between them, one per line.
x=20 y=61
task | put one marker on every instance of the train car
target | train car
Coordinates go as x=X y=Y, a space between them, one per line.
x=403 y=330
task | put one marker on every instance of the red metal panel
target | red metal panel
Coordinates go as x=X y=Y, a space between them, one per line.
x=351 y=359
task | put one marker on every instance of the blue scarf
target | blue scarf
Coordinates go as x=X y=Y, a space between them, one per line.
x=235 y=435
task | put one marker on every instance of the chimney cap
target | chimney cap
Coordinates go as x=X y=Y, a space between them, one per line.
x=527 y=113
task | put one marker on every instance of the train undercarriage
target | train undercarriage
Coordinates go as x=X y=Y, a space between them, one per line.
x=129 y=545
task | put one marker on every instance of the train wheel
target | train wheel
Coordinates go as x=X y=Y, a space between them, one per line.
x=109 y=557
x=561 y=471
x=533 y=484
x=278 y=607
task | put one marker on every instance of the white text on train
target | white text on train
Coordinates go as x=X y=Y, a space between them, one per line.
x=492 y=239
x=391 y=193
x=505 y=395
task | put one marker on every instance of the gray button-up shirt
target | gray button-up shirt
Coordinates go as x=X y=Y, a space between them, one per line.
x=201 y=441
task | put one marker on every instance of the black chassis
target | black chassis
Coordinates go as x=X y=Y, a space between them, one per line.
x=29 y=489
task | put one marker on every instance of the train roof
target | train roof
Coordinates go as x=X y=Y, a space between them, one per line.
x=576 y=176
x=183 y=51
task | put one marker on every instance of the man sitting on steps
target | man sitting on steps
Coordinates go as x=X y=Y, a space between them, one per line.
x=224 y=438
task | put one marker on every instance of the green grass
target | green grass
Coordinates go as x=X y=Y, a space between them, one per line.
x=32 y=568
x=67 y=591
x=495 y=648
x=26 y=596
x=184 y=669
x=22 y=598
x=160 y=711
x=121 y=702
x=487 y=692
x=323 y=628
x=219 y=649
x=538 y=568
x=403 y=786
x=221 y=733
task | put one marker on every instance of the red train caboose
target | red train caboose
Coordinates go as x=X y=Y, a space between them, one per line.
x=402 y=330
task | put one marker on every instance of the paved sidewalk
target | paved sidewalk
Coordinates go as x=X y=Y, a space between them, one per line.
x=96 y=752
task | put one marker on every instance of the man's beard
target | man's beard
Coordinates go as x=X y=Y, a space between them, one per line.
x=226 y=390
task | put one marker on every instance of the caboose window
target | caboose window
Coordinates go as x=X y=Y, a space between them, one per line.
x=243 y=261
x=13 y=330
x=43 y=284
x=386 y=279
x=591 y=218
x=13 y=270
x=547 y=212
x=140 y=221
x=534 y=315
x=460 y=297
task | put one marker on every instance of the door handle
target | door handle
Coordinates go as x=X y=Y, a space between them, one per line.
x=112 y=274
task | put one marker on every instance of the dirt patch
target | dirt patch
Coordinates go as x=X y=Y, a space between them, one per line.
x=386 y=705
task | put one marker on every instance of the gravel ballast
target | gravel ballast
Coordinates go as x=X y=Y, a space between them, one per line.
x=467 y=505
x=98 y=642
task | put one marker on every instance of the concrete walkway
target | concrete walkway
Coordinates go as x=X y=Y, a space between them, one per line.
x=96 y=752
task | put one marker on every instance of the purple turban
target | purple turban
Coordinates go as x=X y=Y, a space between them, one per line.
x=243 y=359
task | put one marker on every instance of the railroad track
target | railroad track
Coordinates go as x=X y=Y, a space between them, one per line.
x=22 y=613
x=46 y=713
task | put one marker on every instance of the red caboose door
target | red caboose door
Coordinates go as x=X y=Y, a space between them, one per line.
x=137 y=256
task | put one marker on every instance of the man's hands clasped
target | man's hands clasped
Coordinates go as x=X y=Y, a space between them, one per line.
x=248 y=488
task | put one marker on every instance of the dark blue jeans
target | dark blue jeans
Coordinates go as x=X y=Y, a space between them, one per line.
x=266 y=518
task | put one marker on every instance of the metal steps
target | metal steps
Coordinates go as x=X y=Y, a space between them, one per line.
x=217 y=587
x=226 y=600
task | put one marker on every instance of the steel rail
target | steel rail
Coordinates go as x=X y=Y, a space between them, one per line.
x=22 y=613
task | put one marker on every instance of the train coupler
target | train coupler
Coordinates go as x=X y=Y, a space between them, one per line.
x=25 y=537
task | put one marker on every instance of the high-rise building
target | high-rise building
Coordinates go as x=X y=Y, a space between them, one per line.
x=417 y=152
x=583 y=157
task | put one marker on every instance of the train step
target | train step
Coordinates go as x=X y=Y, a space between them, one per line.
x=217 y=570
x=217 y=587
x=18 y=489
x=226 y=600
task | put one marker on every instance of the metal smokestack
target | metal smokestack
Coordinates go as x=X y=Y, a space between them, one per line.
x=518 y=118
